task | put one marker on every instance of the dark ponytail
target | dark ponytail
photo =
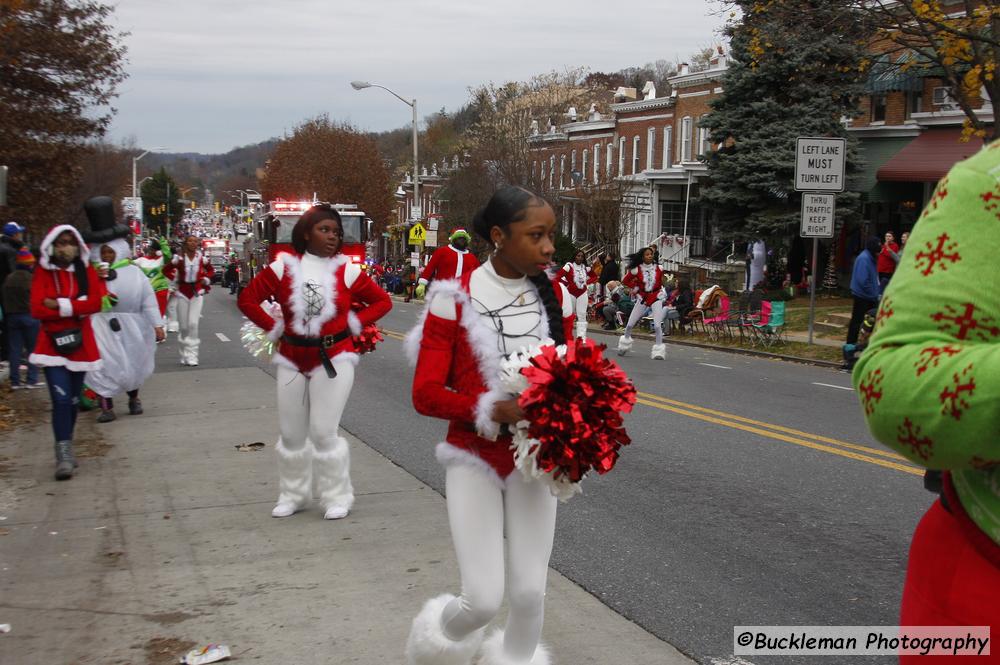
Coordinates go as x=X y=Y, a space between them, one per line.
x=508 y=205
x=82 y=279
x=553 y=309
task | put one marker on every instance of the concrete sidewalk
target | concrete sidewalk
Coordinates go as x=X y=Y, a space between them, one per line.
x=164 y=541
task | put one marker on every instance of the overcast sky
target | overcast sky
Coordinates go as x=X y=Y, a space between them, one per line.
x=210 y=75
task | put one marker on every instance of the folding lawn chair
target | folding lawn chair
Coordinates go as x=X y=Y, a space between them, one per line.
x=770 y=331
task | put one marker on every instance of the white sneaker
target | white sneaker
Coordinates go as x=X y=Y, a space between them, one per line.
x=284 y=510
x=336 y=513
x=17 y=387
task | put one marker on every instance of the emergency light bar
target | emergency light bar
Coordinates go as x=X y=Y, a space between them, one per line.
x=298 y=206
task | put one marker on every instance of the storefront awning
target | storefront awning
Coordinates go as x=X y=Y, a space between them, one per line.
x=875 y=152
x=928 y=157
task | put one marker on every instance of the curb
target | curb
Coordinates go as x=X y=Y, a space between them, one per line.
x=667 y=339
x=725 y=349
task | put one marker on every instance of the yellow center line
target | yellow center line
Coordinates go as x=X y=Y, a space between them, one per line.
x=788 y=439
x=778 y=428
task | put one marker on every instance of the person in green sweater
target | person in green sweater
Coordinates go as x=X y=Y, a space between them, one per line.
x=929 y=384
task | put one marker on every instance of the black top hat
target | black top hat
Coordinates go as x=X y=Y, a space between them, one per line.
x=101 y=215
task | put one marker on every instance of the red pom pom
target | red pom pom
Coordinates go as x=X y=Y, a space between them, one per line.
x=574 y=405
x=370 y=336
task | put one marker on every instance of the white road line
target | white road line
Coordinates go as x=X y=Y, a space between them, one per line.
x=828 y=385
x=222 y=337
x=717 y=366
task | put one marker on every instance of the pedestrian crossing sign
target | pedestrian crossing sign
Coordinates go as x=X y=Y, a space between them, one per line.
x=417 y=234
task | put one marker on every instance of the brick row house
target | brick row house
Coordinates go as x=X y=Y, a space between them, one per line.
x=647 y=148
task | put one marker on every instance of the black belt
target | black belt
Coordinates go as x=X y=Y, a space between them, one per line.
x=321 y=343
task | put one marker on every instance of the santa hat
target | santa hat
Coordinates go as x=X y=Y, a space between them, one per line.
x=459 y=233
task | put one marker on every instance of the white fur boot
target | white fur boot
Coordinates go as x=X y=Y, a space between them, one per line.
x=624 y=345
x=659 y=352
x=581 y=329
x=332 y=471
x=427 y=643
x=493 y=654
x=294 y=480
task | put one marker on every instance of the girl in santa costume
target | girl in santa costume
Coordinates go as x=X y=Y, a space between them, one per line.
x=130 y=325
x=194 y=279
x=645 y=278
x=576 y=276
x=65 y=292
x=467 y=327
x=315 y=288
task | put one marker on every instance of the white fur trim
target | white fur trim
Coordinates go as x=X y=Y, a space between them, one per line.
x=328 y=286
x=44 y=360
x=441 y=288
x=50 y=238
x=659 y=352
x=448 y=454
x=332 y=475
x=351 y=273
x=492 y=653
x=422 y=281
x=624 y=343
x=486 y=427
x=294 y=475
x=354 y=323
x=65 y=307
x=276 y=331
x=428 y=645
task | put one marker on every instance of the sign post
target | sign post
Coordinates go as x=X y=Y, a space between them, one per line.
x=820 y=167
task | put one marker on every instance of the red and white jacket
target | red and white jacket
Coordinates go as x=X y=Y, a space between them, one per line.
x=192 y=279
x=576 y=277
x=61 y=284
x=449 y=263
x=648 y=290
x=343 y=282
x=457 y=378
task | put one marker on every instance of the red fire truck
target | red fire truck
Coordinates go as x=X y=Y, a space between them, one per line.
x=272 y=233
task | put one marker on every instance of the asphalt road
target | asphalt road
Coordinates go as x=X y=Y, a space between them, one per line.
x=752 y=493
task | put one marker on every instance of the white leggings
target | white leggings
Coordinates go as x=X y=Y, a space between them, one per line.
x=580 y=308
x=640 y=310
x=188 y=313
x=479 y=512
x=309 y=409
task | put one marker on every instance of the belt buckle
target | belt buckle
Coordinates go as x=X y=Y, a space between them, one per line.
x=328 y=341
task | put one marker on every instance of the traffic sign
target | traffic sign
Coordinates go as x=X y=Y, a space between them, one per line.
x=817 y=215
x=417 y=234
x=820 y=164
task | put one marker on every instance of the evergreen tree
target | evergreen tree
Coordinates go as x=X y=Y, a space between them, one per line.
x=797 y=69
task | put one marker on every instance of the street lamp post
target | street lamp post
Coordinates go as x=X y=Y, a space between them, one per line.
x=135 y=160
x=361 y=85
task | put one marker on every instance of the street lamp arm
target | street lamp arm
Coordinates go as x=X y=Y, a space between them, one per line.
x=407 y=102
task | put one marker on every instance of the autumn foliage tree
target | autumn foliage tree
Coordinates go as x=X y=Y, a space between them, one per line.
x=957 y=41
x=335 y=162
x=60 y=66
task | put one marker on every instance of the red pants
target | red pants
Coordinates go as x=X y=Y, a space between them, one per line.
x=950 y=583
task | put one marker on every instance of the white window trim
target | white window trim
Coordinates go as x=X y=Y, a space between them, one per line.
x=650 y=147
x=621 y=156
x=610 y=160
x=597 y=163
x=585 y=158
x=562 y=171
x=668 y=139
x=686 y=138
x=552 y=171
x=636 y=143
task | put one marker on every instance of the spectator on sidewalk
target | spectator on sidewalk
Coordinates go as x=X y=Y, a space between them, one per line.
x=22 y=329
x=610 y=272
x=11 y=242
x=315 y=288
x=887 y=259
x=618 y=302
x=65 y=292
x=930 y=387
x=864 y=287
